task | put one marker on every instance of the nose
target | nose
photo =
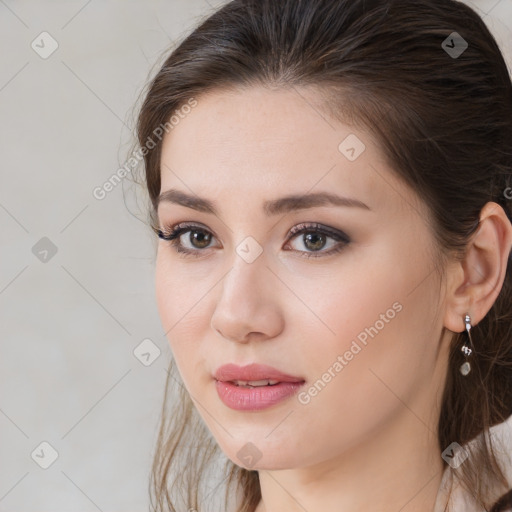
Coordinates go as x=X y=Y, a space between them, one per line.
x=248 y=306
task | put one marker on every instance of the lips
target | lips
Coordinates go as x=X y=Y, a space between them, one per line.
x=253 y=373
x=254 y=387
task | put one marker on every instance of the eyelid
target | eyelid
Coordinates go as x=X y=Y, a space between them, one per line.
x=315 y=226
x=173 y=233
x=295 y=230
x=167 y=230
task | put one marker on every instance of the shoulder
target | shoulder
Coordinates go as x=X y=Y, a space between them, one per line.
x=452 y=497
x=504 y=504
x=503 y=435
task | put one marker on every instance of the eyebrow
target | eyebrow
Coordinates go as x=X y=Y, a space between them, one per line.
x=271 y=207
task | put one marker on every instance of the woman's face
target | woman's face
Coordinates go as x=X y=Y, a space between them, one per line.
x=358 y=321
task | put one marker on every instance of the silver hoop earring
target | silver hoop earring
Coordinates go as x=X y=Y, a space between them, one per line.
x=467 y=348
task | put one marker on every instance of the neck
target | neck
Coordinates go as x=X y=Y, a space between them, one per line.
x=398 y=467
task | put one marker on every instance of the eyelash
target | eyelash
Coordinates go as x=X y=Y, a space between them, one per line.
x=172 y=234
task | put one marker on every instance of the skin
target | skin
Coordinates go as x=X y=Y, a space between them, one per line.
x=373 y=426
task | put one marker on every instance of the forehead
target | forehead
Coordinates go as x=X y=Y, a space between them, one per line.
x=256 y=124
x=261 y=143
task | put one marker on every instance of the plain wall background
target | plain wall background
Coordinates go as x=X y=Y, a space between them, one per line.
x=70 y=321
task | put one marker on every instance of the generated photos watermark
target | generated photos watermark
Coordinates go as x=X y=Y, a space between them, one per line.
x=100 y=192
x=304 y=397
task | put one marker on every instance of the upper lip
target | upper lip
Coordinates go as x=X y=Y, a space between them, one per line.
x=252 y=372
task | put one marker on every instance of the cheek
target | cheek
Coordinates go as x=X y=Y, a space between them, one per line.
x=360 y=300
x=375 y=333
x=179 y=307
x=179 y=289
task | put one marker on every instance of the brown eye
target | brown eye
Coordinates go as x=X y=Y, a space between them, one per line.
x=199 y=239
x=315 y=238
x=314 y=241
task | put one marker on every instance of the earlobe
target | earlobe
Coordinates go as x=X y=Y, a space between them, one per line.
x=458 y=303
x=476 y=282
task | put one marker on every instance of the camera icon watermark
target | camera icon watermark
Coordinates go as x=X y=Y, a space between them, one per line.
x=44 y=455
x=249 y=249
x=455 y=455
x=249 y=455
x=44 y=249
x=44 y=45
x=147 y=352
x=454 y=45
x=351 y=147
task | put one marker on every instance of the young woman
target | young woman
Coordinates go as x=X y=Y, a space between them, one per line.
x=331 y=182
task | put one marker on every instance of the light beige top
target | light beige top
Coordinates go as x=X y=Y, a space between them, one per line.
x=460 y=499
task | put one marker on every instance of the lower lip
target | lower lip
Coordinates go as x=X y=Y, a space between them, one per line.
x=257 y=398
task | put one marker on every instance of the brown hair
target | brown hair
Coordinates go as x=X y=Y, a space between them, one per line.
x=444 y=124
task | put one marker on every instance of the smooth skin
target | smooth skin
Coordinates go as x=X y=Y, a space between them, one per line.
x=368 y=439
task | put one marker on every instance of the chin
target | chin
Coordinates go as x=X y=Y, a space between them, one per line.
x=267 y=463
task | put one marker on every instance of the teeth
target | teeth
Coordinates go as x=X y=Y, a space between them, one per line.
x=255 y=383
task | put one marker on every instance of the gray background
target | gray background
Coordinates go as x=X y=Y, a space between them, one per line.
x=70 y=321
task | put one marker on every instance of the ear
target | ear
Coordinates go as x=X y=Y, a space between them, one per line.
x=476 y=281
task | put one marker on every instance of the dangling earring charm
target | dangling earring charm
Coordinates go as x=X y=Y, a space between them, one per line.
x=466 y=349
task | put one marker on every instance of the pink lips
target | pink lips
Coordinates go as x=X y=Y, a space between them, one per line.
x=230 y=372
x=256 y=398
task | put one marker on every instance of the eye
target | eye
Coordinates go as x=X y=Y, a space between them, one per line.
x=198 y=238
x=314 y=237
